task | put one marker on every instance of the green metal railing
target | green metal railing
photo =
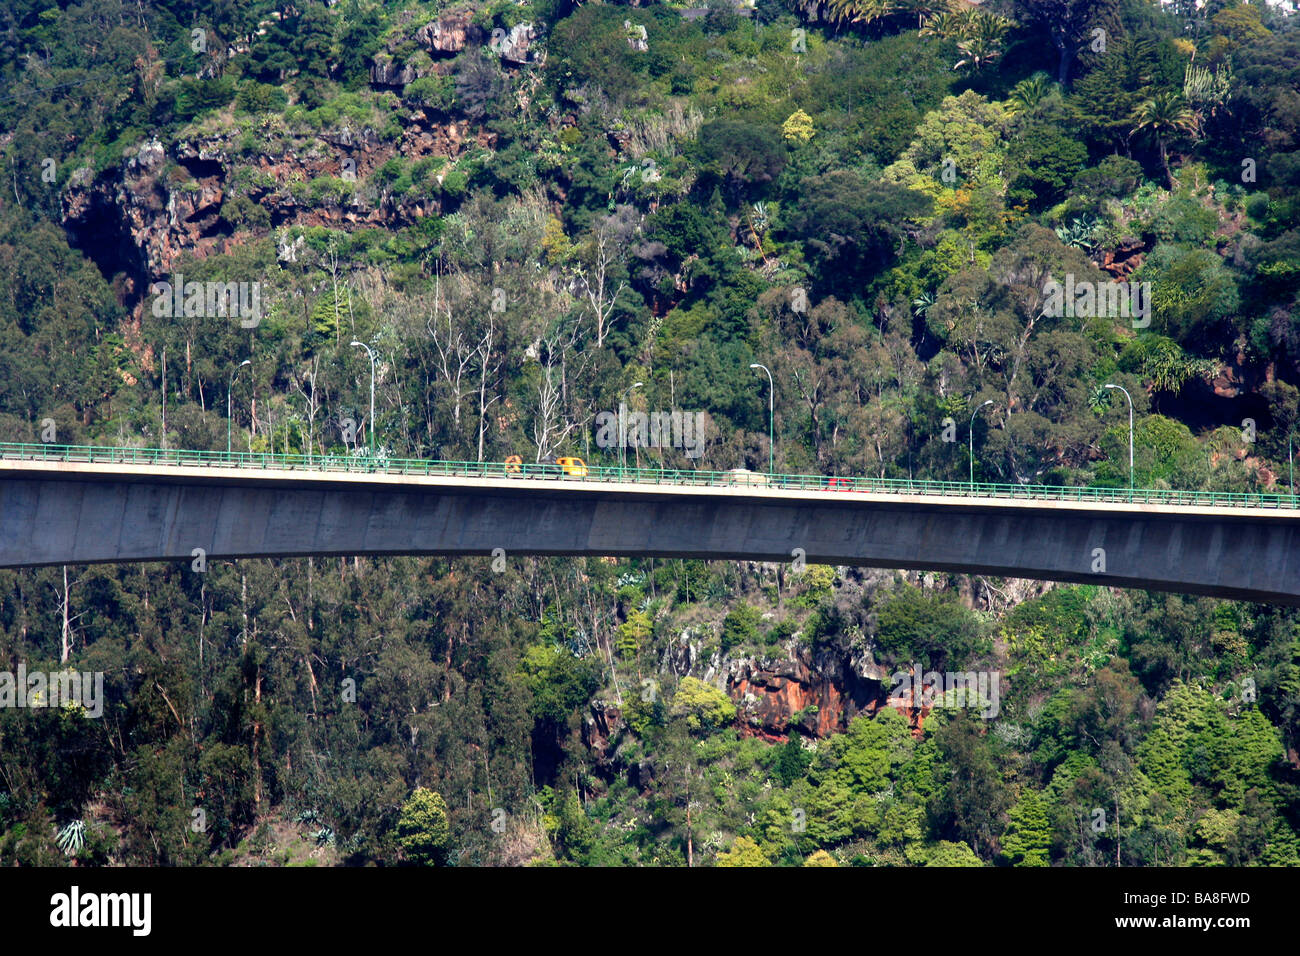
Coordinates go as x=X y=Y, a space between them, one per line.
x=753 y=481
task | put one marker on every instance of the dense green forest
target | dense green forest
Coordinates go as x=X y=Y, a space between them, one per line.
x=524 y=208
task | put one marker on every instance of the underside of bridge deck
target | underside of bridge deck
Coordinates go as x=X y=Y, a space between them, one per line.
x=74 y=519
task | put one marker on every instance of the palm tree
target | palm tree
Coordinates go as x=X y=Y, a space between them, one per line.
x=980 y=39
x=924 y=8
x=1031 y=91
x=861 y=11
x=941 y=25
x=1167 y=367
x=1165 y=116
x=758 y=226
x=842 y=11
x=941 y=18
x=877 y=11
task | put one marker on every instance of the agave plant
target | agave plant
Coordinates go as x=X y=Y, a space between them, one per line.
x=1099 y=399
x=325 y=836
x=72 y=838
x=1081 y=233
x=922 y=303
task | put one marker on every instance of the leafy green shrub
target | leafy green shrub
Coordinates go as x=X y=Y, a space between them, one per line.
x=1257 y=206
x=455 y=183
x=242 y=211
x=740 y=627
x=792 y=760
x=431 y=92
x=816 y=584
x=341 y=110
x=782 y=631
x=329 y=191
x=634 y=633
x=198 y=96
x=254 y=97
x=928 y=627
x=704 y=707
x=1113 y=178
x=1185 y=220
x=559 y=681
x=744 y=852
x=422 y=828
x=1050 y=157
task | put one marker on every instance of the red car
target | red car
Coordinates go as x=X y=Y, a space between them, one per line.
x=839 y=484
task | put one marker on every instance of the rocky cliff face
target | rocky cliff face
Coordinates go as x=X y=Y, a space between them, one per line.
x=440 y=39
x=450 y=33
x=155 y=218
x=816 y=695
x=517 y=46
x=163 y=202
x=447 y=36
x=817 y=698
x=1121 y=261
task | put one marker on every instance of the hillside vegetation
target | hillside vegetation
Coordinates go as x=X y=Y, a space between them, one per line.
x=525 y=208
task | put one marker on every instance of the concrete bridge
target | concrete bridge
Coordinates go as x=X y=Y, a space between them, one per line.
x=65 y=511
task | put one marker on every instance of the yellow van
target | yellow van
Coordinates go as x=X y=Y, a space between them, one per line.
x=572 y=467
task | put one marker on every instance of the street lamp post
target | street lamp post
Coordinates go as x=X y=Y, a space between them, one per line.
x=372 y=395
x=771 y=416
x=228 y=396
x=311 y=434
x=1130 y=431
x=622 y=426
x=970 y=433
x=1291 y=464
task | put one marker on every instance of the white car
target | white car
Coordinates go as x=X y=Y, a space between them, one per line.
x=743 y=476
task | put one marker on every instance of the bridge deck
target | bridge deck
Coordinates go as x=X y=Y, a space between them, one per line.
x=651 y=484
x=109 y=505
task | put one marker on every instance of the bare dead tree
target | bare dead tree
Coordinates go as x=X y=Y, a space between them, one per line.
x=65 y=648
x=311 y=402
x=610 y=236
x=556 y=352
x=489 y=364
x=454 y=353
